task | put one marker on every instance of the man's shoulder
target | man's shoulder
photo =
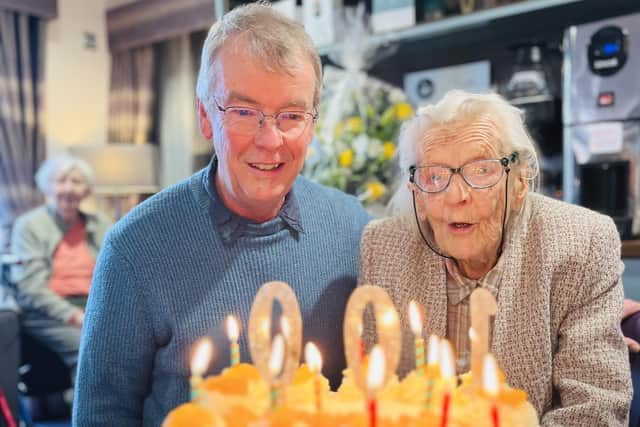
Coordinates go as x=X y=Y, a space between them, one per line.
x=309 y=192
x=168 y=209
x=329 y=204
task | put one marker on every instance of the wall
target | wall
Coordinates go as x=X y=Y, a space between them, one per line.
x=76 y=78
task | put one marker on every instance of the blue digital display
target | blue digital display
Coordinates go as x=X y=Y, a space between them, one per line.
x=610 y=48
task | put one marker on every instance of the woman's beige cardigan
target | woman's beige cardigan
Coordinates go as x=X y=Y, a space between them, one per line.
x=557 y=332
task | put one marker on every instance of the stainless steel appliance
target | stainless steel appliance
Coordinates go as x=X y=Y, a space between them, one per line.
x=601 y=119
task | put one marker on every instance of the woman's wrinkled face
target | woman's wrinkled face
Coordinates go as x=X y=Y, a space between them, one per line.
x=466 y=222
x=69 y=189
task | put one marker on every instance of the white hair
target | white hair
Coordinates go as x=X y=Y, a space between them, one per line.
x=459 y=106
x=62 y=164
x=271 y=37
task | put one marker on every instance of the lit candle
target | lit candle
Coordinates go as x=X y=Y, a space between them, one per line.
x=276 y=361
x=203 y=350
x=375 y=381
x=387 y=323
x=482 y=306
x=415 y=321
x=314 y=361
x=448 y=374
x=233 y=331
x=491 y=386
x=433 y=356
x=361 y=343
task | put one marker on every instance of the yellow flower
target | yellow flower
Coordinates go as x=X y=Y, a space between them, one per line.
x=337 y=131
x=375 y=190
x=354 y=124
x=403 y=111
x=346 y=158
x=388 y=150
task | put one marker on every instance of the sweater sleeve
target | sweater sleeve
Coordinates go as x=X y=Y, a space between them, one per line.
x=117 y=347
x=32 y=275
x=590 y=367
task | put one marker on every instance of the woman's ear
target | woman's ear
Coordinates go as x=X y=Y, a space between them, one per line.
x=204 y=122
x=520 y=190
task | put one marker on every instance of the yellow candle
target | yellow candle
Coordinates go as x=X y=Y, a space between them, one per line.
x=200 y=360
x=415 y=322
x=483 y=306
x=314 y=361
x=233 y=332
x=433 y=368
x=276 y=362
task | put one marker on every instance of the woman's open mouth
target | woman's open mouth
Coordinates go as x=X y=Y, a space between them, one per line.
x=460 y=227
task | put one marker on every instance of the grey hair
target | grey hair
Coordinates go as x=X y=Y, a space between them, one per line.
x=458 y=106
x=271 y=37
x=62 y=164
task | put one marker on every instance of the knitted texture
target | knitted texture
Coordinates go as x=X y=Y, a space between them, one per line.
x=557 y=332
x=166 y=277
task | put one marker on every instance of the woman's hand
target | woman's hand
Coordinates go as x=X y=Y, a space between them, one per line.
x=77 y=318
x=630 y=307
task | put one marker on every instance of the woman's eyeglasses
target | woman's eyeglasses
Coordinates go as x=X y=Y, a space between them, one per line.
x=477 y=174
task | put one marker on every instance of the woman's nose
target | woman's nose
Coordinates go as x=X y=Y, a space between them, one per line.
x=458 y=190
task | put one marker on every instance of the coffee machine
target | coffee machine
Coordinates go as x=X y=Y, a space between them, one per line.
x=601 y=119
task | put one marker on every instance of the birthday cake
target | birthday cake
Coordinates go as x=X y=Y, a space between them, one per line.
x=239 y=397
x=276 y=391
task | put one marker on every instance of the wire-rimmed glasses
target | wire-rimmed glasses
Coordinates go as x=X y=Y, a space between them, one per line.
x=478 y=174
x=247 y=121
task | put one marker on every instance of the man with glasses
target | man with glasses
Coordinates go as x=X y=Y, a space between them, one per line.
x=178 y=264
x=466 y=219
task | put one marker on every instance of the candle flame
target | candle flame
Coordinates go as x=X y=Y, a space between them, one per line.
x=415 y=319
x=233 y=329
x=285 y=326
x=389 y=317
x=276 y=359
x=433 y=352
x=447 y=366
x=265 y=327
x=313 y=357
x=490 y=375
x=473 y=335
x=375 y=374
x=201 y=356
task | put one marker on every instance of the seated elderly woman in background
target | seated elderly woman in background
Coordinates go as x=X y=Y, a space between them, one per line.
x=466 y=218
x=57 y=244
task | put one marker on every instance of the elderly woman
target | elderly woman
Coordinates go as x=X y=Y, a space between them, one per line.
x=466 y=218
x=57 y=244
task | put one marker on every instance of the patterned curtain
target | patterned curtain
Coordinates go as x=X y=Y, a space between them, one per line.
x=22 y=147
x=131 y=95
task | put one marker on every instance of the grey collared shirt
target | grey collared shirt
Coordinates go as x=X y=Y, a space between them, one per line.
x=232 y=226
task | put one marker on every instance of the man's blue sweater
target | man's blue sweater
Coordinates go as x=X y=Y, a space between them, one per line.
x=176 y=265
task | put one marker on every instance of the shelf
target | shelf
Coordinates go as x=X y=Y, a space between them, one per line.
x=631 y=249
x=457 y=23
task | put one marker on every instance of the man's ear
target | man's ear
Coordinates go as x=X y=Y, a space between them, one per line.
x=204 y=122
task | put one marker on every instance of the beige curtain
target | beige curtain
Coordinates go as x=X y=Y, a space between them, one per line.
x=131 y=96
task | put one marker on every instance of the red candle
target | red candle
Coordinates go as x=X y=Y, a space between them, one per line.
x=448 y=373
x=373 y=412
x=375 y=381
x=491 y=386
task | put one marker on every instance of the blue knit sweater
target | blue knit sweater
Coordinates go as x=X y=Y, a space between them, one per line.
x=175 y=266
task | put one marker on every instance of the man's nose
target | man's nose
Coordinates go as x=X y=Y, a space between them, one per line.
x=268 y=135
